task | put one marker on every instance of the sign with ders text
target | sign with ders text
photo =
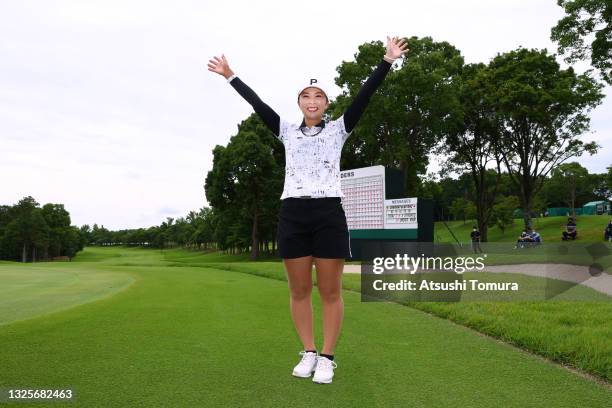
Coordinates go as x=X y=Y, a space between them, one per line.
x=401 y=213
x=364 y=196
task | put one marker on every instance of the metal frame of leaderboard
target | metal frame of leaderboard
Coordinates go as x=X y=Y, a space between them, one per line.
x=377 y=213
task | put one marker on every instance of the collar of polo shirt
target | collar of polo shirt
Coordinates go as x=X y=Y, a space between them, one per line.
x=321 y=124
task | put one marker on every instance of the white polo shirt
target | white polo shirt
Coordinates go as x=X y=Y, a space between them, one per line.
x=312 y=162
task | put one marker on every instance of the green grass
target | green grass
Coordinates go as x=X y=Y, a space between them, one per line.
x=202 y=336
x=590 y=229
x=598 y=255
x=589 y=249
x=575 y=333
x=29 y=290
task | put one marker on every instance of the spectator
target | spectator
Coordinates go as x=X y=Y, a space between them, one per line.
x=522 y=239
x=528 y=238
x=608 y=232
x=534 y=237
x=475 y=237
x=570 y=230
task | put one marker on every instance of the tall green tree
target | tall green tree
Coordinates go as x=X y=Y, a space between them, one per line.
x=502 y=214
x=542 y=111
x=571 y=185
x=100 y=235
x=58 y=220
x=473 y=148
x=463 y=209
x=72 y=242
x=586 y=33
x=85 y=231
x=204 y=227
x=245 y=184
x=609 y=180
x=27 y=231
x=409 y=114
x=598 y=187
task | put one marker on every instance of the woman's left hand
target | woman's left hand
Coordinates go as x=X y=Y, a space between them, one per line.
x=395 y=47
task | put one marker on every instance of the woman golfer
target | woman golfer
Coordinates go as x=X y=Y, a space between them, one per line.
x=311 y=224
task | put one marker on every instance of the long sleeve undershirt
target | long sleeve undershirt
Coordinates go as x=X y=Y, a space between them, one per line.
x=351 y=116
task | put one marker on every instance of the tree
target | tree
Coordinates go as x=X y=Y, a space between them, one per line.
x=586 y=20
x=72 y=242
x=608 y=182
x=58 y=220
x=542 y=111
x=204 y=227
x=244 y=185
x=463 y=209
x=27 y=229
x=570 y=185
x=502 y=214
x=599 y=187
x=409 y=114
x=473 y=148
x=100 y=235
x=86 y=234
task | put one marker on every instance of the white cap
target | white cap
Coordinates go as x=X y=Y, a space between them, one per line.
x=314 y=83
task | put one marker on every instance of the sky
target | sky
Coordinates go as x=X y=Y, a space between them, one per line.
x=108 y=106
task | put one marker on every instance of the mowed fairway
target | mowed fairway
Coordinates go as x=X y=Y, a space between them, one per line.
x=200 y=337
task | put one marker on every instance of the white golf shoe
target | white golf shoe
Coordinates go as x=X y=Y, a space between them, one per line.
x=306 y=366
x=324 y=371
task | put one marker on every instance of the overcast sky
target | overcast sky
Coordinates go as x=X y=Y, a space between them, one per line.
x=108 y=107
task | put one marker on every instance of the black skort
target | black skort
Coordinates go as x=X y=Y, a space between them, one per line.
x=313 y=226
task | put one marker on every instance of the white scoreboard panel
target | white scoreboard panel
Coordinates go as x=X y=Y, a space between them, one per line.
x=401 y=213
x=364 y=197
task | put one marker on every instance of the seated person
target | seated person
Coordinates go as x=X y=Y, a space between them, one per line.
x=522 y=239
x=535 y=237
x=529 y=238
x=570 y=230
x=608 y=232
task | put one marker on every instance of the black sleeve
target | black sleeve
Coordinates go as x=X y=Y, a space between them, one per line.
x=360 y=102
x=267 y=114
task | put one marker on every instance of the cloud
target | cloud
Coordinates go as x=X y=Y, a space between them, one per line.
x=168 y=211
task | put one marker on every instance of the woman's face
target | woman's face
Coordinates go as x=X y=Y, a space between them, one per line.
x=313 y=103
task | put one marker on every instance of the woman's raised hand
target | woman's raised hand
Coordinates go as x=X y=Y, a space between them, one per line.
x=220 y=66
x=395 y=47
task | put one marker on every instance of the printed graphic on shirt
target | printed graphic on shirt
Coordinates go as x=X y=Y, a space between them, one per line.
x=312 y=158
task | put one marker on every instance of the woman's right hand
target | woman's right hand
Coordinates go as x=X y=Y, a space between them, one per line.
x=220 y=66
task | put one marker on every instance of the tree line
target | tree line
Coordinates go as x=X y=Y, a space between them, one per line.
x=230 y=228
x=29 y=232
x=569 y=185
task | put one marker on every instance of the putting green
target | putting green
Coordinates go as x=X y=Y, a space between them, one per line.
x=27 y=291
x=203 y=337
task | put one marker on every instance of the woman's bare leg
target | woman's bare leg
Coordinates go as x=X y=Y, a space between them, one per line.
x=329 y=282
x=299 y=276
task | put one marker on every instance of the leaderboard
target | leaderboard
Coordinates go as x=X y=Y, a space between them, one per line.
x=365 y=203
x=364 y=197
x=401 y=213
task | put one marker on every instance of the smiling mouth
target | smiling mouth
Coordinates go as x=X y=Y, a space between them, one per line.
x=312 y=109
